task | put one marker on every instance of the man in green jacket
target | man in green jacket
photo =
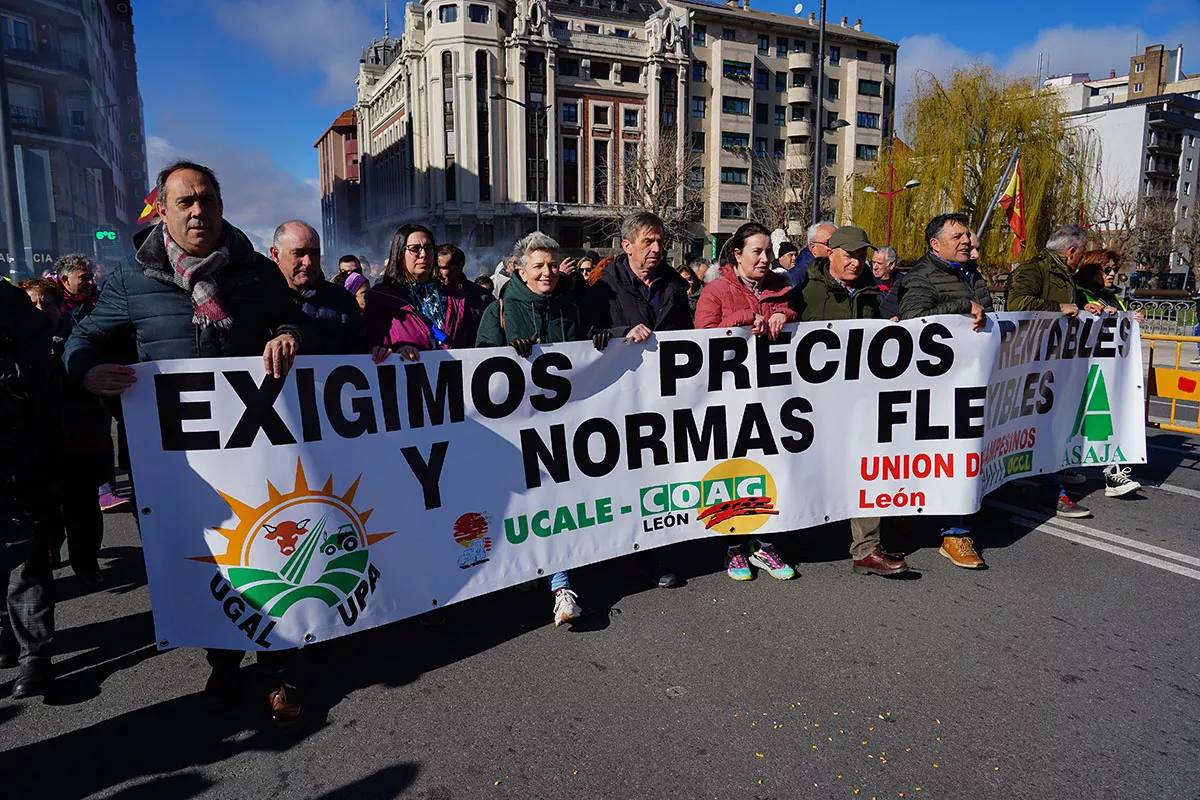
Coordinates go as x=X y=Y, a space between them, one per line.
x=841 y=286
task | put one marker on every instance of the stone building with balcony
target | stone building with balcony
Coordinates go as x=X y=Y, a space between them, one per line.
x=485 y=112
x=341 y=199
x=77 y=126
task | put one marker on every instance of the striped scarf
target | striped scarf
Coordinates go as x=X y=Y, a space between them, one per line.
x=197 y=277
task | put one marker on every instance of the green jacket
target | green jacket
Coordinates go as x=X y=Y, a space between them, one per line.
x=1097 y=293
x=1041 y=284
x=823 y=298
x=522 y=313
x=933 y=287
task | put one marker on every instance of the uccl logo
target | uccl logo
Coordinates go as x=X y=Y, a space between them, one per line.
x=304 y=545
x=736 y=497
x=1093 y=422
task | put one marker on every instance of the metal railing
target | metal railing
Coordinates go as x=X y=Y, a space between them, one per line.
x=1167 y=317
x=31 y=51
x=1174 y=384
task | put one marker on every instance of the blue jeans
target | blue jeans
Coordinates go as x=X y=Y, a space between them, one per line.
x=559 y=580
x=953 y=525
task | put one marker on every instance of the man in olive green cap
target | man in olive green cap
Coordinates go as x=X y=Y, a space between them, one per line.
x=842 y=286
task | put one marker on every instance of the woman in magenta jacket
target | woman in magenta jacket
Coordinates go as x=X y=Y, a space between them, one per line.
x=749 y=295
x=409 y=311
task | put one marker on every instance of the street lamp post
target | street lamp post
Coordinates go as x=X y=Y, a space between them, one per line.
x=539 y=117
x=889 y=194
x=819 y=133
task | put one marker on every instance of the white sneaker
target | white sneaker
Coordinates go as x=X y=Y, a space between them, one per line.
x=1117 y=482
x=566 y=607
x=1195 y=360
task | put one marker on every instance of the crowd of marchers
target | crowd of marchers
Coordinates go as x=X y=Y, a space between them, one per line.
x=195 y=287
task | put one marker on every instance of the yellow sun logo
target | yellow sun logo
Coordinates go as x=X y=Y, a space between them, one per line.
x=303 y=544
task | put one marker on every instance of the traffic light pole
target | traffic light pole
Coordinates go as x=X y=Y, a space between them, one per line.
x=10 y=199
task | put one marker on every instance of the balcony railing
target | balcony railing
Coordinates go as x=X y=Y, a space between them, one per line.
x=34 y=120
x=29 y=51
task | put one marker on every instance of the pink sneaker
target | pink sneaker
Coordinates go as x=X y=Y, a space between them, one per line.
x=110 y=502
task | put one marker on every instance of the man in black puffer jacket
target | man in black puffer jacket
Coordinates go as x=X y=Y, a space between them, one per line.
x=945 y=280
x=195 y=289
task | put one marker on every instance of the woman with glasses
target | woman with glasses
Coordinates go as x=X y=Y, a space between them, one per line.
x=409 y=311
x=1095 y=290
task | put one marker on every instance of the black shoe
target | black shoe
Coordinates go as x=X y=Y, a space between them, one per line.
x=34 y=679
x=91 y=579
x=224 y=686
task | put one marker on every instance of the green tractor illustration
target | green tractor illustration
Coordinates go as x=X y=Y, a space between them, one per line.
x=345 y=539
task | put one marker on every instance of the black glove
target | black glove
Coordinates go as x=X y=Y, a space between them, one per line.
x=524 y=347
x=601 y=338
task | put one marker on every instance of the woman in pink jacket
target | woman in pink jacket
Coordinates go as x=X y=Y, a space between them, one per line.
x=749 y=295
x=408 y=311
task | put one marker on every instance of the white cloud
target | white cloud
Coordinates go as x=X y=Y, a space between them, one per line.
x=929 y=53
x=325 y=36
x=258 y=195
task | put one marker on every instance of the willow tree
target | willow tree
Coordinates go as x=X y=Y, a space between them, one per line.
x=960 y=134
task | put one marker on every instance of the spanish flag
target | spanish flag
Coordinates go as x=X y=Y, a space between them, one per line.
x=148 y=212
x=1013 y=203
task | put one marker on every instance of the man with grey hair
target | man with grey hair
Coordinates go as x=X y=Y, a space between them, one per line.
x=337 y=326
x=883 y=267
x=818 y=247
x=1047 y=281
x=76 y=276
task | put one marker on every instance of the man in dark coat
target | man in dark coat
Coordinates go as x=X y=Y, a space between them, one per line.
x=195 y=289
x=817 y=246
x=451 y=263
x=335 y=320
x=639 y=293
x=840 y=287
x=29 y=409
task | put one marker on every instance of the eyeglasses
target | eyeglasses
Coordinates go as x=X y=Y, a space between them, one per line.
x=823 y=244
x=416 y=249
x=1111 y=270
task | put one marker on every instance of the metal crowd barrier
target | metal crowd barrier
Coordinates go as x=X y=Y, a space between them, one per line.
x=1167 y=317
x=1174 y=384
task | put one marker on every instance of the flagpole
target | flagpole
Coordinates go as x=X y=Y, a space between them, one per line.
x=999 y=189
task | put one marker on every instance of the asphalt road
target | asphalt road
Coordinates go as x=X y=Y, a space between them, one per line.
x=1066 y=670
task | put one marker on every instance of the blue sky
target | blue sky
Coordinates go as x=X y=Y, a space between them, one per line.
x=248 y=85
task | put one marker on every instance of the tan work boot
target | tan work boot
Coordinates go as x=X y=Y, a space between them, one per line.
x=961 y=551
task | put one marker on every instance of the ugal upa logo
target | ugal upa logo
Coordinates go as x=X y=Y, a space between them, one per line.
x=1088 y=442
x=309 y=545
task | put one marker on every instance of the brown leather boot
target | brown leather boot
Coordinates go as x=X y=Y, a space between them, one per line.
x=879 y=563
x=961 y=551
x=285 y=705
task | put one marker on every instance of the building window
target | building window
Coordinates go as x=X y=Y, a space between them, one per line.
x=480 y=14
x=762 y=80
x=736 y=105
x=600 y=171
x=699 y=106
x=797 y=112
x=630 y=73
x=696 y=177
x=861 y=55
x=870 y=88
x=832 y=116
x=699 y=70
x=1187 y=188
x=886 y=60
x=798 y=79
x=733 y=210
x=798 y=46
x=621 y=33
x=482 y=139
x=740 y=177
x=831 y=154
x=780 y=81
x=780 y=115
x=735 y=70
x=866 y=120
x=570 y=170
x=729 y=34
x=832 y=88
x=697 y=141
x=781 y=46
x=448 y=13
x=1191 y=141
x=866 y=152
x=779 y=148
x=1189 y=165
x=1139 y=67
x=1137 y=87
x=588 y=28
x=600 y=114
x=760 y=146
x=764 y=44
x=699 y=35
x=731 y=140
x=631 y=117
x=761 y=113
x=835 y=55
x=561 y=25
x=568 y=67
x=570 y=114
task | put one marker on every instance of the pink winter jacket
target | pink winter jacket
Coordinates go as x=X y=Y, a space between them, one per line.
x=392 y=322
x=729 y=303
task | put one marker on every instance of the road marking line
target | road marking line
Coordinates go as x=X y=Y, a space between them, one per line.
x=1109 y=548
x=1166 y=487
x=1026 y=514
x=1195 y=453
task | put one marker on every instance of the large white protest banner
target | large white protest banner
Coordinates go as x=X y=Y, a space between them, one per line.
x=275 y=513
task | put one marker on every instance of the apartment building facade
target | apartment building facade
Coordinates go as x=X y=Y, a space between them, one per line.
x=341 y=198
x=77 y=125
x=588 y=85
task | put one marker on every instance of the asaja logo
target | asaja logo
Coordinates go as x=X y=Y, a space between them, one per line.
x=735 y=497
x=306 y=544
x=470 y=530
x=1093 y=423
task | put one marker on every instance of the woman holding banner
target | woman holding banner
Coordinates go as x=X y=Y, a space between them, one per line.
x=408 y=311
x=749 y=295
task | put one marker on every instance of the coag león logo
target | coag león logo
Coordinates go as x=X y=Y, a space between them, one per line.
x=306 y=544
x=1093 y=424
x=734 y=497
